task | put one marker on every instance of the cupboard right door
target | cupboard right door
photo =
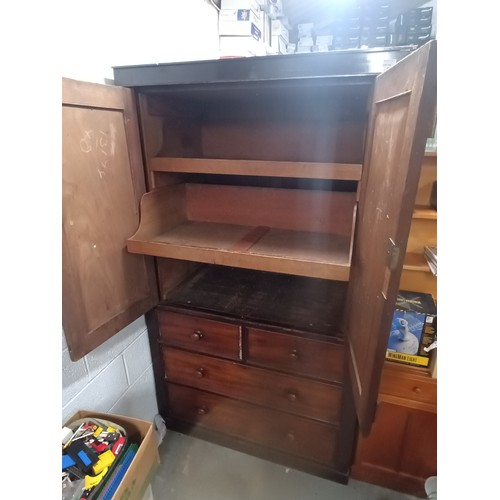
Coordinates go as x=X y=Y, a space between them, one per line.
x=401 y=118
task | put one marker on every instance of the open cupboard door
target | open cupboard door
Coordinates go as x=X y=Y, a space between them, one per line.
x=401 y=119
x=104 y=287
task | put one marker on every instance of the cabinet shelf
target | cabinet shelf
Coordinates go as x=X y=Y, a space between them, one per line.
x=423 y=212
x=311 y=170
x=416 y=262
x=291 y=231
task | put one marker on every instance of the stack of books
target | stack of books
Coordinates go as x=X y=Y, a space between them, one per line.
x=430 y=254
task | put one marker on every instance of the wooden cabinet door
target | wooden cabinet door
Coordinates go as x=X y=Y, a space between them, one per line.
x=104 y=288
x=401 y=451
x=401 y=119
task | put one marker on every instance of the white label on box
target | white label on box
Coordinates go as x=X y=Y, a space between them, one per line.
x=238 y=15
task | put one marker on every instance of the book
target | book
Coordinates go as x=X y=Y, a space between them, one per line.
x=413 y=329
x=119 y=472
x=430 y=254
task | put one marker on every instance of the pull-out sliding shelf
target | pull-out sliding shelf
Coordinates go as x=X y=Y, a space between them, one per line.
x=292 y=231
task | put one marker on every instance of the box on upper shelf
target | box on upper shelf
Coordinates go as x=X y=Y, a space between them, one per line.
x=240 y=46
x=413 y=329
x=239 y=22
x=240 y=4
x=279 y=29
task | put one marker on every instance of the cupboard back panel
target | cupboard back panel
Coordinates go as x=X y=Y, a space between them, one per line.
x=319 y=125
x=299 y=210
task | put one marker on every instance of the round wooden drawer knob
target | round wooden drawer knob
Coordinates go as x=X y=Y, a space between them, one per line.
x=200 y=372
x=291 y=396
x=293 y=355
x=290 y=437
x=197 y=335
x=202 y=411
x=417 y=390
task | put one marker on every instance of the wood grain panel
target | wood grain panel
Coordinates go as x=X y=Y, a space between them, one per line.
x=269 y=428
x=419 y=281
x=422 y=232
x=306 y=170
x=296 y=355
x=200 y=334
x=307 y=398
x=428 y=175
x=294 y=209
x=400 y=452
x=104 y=287
x=284 y=141
x=410 y=384
x=401 y=119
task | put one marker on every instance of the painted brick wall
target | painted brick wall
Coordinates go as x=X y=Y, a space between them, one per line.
x=117 y=377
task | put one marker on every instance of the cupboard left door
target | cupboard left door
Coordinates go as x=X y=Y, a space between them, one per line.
x=104 y=288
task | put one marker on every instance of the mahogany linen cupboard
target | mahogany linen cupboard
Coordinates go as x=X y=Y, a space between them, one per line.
x=257 y=211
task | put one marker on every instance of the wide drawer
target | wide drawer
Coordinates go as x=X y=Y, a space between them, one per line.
x=200 y=334
x=294 y=354
x=269 y=428
x=408 y=384
x=303 y=397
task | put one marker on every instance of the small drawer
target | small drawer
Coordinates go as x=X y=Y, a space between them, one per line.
x=293 y=354
x=200 y=334
x=288 y=433
x=407 y=384
x=307 y=398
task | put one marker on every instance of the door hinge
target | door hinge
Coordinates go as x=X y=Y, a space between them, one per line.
x=393 y=255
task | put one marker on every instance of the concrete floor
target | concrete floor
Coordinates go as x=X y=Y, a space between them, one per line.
x=192 y=469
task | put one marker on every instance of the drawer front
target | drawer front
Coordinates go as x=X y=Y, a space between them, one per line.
x=307 y=398
x=405 y=385
x=288 y=433
x=200 y=334
x=296 y=355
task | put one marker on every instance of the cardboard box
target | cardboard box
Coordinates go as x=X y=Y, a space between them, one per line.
x=279 y=29
x=140 y=473
x=305 y=41
x=239 y=23
x=305 y=29
x=278 y=44
x=240 y=46
x=240 y=4
x=413 y=329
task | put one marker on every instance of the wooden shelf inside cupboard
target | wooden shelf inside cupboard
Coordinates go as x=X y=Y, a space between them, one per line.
x=291 y=231
x=311 y=170
x=416 y=262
